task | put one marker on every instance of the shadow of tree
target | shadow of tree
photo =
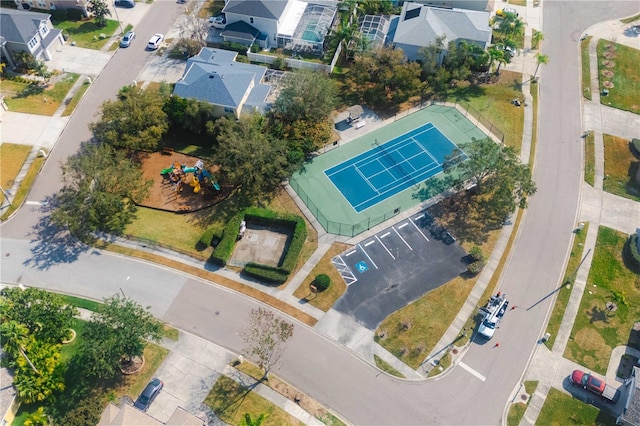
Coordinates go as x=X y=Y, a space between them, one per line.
x=53 y=245
x=597 y=314
x=32 y=89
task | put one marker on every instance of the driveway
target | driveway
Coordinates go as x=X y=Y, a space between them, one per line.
x=80 y=60
x=189 y=372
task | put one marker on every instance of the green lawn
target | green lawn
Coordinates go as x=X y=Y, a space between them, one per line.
x=620 y=167
x=230 y=401
x=560 y=409
x=386 y=367
x=75 y=100
x=19 y=197
x=12 y=157
x=84 y=33
x=492 y=102
x=586 y=67
x=625 y=94
x=590 y=159
x=516 y=412
x=41 y=102
x=562 y=296
x=597 y=330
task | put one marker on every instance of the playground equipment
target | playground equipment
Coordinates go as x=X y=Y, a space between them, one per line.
x=177 y=176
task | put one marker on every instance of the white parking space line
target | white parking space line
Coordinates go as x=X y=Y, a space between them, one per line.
x=369 y=243
x=351 y=252
x=385 y=247
x=403 y=225
x=419 y=230
x=35 y=203
x=385 y=235
x=368 y=257
x=405 y=241
x=472 y=371
x=418 y=217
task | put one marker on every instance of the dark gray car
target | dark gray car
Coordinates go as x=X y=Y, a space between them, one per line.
x=149 y=394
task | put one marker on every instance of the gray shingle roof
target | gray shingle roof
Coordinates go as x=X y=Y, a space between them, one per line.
x=421 y=29
x=213 y=76
x=19 y=26
x=270 y=9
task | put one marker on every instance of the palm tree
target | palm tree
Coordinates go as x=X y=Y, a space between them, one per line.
x=536 y=38
x=495 y=54
x=16 y=337
x=541 y=59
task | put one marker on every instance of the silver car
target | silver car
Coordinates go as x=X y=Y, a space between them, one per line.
x=127 y=39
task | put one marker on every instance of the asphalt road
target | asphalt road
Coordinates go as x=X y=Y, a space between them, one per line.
x=473 y=393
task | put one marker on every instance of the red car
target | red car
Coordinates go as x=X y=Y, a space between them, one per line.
x=587 y=381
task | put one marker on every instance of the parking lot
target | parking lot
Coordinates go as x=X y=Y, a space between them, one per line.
x=396 y=266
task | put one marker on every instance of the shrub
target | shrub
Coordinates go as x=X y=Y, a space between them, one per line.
x=75 y=15
x=475 y=267
x=255 y=48
x=477 y=254
x=279 y=64
x=266 y=273
x=630 y=253
x=321 y=282
x=236 y=47
x=206 y=238
x=635 y=146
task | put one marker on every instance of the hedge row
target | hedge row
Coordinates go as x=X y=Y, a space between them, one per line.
x=224 y=249
x=635 y=145
x=266 y=273
x=259 y=216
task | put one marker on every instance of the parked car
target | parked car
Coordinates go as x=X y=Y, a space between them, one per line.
x=149 y=394
x=155 y=42
x=127 y=39
x=594 y=384
x=507 y=49
x=503 y=12
x=125 y=3
x=218 y=22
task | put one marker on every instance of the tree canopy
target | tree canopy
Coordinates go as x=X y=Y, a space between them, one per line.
x=305 y=95
x=100 y=189
x=46 y=315
x=100 y=10
x=136 y=120
x=120 y=328
x=250 y=158
x=501 y=181
x=265 y=337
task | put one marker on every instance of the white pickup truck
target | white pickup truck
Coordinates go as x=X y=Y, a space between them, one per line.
x=493 y=313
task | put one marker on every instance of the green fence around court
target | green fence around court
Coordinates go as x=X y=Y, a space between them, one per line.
x=337 y=228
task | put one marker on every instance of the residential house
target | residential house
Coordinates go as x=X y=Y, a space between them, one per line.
x=9 y=402
x=631 y=412
x=233 y=88
x=287 y=24
x=419 y=26
x=486 y=5
x=25 y=31
x=128 y=415
x=54 y=5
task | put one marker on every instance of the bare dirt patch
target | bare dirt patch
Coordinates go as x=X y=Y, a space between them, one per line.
x=607 y=84
x=609 y=64
x=607 y=73
x=163 y=194
x=609 y=55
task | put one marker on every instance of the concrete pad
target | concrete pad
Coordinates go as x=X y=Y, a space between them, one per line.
x=162 y=69
x=346 y=331
x=80 y=60
x=261 y=245
x=31 y=129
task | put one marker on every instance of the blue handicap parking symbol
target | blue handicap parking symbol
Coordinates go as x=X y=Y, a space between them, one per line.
x=361 y=266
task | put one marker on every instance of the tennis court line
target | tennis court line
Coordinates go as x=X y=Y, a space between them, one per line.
x=366 y=179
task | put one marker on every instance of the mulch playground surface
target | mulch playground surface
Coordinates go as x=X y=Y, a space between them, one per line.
x=163 y=194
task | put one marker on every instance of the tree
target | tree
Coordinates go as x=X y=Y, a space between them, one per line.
x=46 y=315
x=36 y=385
x=101 y=187
x=540 y=59
x=297 y=89
x=500 y=179
x=15 y=339
x=100 y=11
x=119 y=329
x=510 y=27
x=265 y=337
x=536 y=38
x=250 y=158
x=190 y=115
x=134 y=121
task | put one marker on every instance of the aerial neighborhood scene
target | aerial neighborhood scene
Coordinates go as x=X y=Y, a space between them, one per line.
x=319 y=212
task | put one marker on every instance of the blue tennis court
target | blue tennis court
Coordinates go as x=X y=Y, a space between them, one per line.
x=389 y=168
